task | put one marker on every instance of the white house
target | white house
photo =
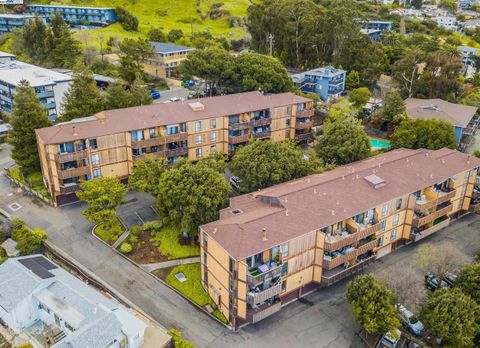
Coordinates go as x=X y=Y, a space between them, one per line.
x=34 y=291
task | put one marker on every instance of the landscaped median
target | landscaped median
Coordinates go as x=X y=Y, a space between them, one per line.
x=109 y=234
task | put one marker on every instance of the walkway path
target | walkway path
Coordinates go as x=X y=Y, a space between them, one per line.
x=121 y=239
x=149 y=267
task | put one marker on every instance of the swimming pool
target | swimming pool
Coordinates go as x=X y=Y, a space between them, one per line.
x=377 y=144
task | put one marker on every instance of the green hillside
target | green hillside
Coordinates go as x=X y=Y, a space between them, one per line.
x=188 y=15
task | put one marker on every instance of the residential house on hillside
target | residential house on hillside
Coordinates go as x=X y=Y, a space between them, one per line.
x=8 y=21
x=166 y=57
x=76 y=15
x=328 y=82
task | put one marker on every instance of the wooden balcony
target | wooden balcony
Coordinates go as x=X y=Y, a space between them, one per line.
x=238 y=139
x=255 y=280
x=263 y=311
x=261 y=135
x=159 y=154
x=329 y=279
x=172 y=138
x=336 y=242
x=369 y=230
x=65 y=190
x=148 y=142
x=303 y=125
x=340 y=260
x=254 y=298
x=305 y=113
x=304 y=137
x=71 y=173
x=420 y=221
x=445 y=196
x=238 y=126
x=425 y=233
x=179 y=151
x=260 y=122
x=442 y=197
x=366 y=247
x=71 y=156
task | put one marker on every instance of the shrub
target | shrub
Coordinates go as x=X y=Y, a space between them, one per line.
x=178 y=341
x=128 y=21
x=174 y=35
x=134 y=232
x=476 y=153
x=156 y=34
x=29 y=241
x=152 y=225
x=126 y=248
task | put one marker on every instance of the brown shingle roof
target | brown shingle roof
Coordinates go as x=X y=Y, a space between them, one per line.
x=297 y=207
x=457 y=114
x=141 y=117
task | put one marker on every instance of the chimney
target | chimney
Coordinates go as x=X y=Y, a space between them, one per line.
x=333 y=212
x=264 y=234
x=74 y=131
x=214 y=230
x=286 y=212
x=314 y=191
x=286 y=199
x=468 y=159
x=431 y=175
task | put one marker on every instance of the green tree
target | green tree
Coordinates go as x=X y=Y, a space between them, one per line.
x=36 y=40
x=178 y=341
x=372 y=305
x=65 y=49
x=146 y=174
x=174 y=35
x=28 y=241
x=343 y=141
x=265 y=163
x=133 y=54
x=27 y=115
x=189 y=195
x=157 y=35
x=102 y=195
x=353 y=80
x=468 y=281
x=118 y=96
x=128 y=21
x=393 y=107
x=472 y=99
x=360 y=96
x=83 y=98
x=449 y=5
x=452 y=316
x=430 y=134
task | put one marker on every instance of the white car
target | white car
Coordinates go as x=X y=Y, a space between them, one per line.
x=235 y=182
x=175 y=99
x=388 y=341
x=410 y=321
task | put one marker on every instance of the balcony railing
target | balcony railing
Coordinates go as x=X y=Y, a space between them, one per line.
x=237 y=139
x=238 y=126
x=368 y=230
x=260 y=122
x=65 y=190
x=261 y=135
x=328 y=280
x=73 y=172
x=149 y=142
x=335 y=242
x=255 y=280
x=420 y=221
x=425 y=233
x=306 y=136
x=265 y=310
x=142 y=157
x=171 y=138
x=429 y=204
x=254 y=298
x=303 y=125
x=71 y=156
x=306 y=113
x=339 y=260
x=366 y=247
x=445 y=196
x=179 y=151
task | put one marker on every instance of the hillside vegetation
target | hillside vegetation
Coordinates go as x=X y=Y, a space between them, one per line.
x=187 y=15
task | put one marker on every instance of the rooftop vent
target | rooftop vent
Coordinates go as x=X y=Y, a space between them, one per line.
x=375 y=181
x=196 y=106
x=236 y=211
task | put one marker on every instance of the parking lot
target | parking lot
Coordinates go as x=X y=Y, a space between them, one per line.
x=137 y=211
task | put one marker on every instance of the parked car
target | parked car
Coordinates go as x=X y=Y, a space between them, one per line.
x=155 y=94
x=388 y=341
x=410 y=321
x=411 y=344
x=449 y=278
x=433 y=282
x=175 y=99
x=235 y=182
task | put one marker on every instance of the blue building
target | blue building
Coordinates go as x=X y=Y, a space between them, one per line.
x=377 y=25
x=328 y=82
x=8 y=22
x=95 y=16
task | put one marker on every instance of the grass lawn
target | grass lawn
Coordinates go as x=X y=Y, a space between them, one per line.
x=167 y=242
x=35 y=178
x=111 y=235
x=192 y=287
x=165 y=15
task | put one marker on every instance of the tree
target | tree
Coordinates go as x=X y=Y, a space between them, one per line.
x=178 y=341
x=343 y=141
x=353 y=80
x=118 y=97
x=82 y=97
x=372 y=305
x=174 y=35
x=146 y=174
x=468 y=281
x=405 y=72
x=265 y=163
x=28 y=241
x=157 y=35
x=65 y=49
x=189 y=196
x=128 y=21
x=102 y=195
x=133 y=54
x=441 y=259
x=36 y=40
x=393 y=107
x=27 y=115
x=452 y=316
x=416 y=4
x=449 y=5
x=430 y=134
x=360 y=96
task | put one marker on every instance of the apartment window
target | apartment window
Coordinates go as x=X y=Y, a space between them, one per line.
x=464 y=189
x=213 y=149
x=398 y=204
x=213 y=123
x=300 y=107
x=284 y=250
x=198 y=153
x=205 y=276
x=172 y=129
x=284 y=268
x=395 y=220
x=93 y=144
x=198 y=139
x=382 y=225
x=393 y=234
x=97 y=173
x=231 y=265
x=230 y=283
x=289 y=110
x=151 y=132
x=380 y=241
x=385 y=209
x=95 y=159
x=137 y=135
x=287 y=122
x=205 y=258
x=42 y=306
x=65 y=148
x=198 y=126
x=69 y=327
x=213 y=137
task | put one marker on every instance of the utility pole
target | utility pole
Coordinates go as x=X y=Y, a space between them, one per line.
x=270 y=44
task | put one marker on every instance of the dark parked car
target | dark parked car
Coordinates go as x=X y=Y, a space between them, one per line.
x=433 y=282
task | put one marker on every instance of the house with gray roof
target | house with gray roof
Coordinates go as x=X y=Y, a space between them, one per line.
x=328 y=82
x=34 y=291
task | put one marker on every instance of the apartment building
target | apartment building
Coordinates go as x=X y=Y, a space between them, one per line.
x=108 y=143
x=328 y=82
x=166 y=57
x=8 y=21
x=276 y=245
x=6 y=57
x=49 y=85
x=76 y=15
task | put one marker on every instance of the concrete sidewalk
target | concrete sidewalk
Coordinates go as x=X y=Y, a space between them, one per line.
x=149 y=267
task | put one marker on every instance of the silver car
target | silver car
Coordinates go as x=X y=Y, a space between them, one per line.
x=410 y=321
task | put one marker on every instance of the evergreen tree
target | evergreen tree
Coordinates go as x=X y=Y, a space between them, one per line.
x=65 y=49
x=28 y=114
x=353 y=80
x=174 y=35
x=83 y=97
x=36 y=40
x=133 y=54
x=118 y=96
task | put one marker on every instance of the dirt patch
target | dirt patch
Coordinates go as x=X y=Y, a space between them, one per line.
x=144 y=251
x=162 y=273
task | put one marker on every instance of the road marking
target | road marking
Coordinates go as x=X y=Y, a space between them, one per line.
x=143 y=222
